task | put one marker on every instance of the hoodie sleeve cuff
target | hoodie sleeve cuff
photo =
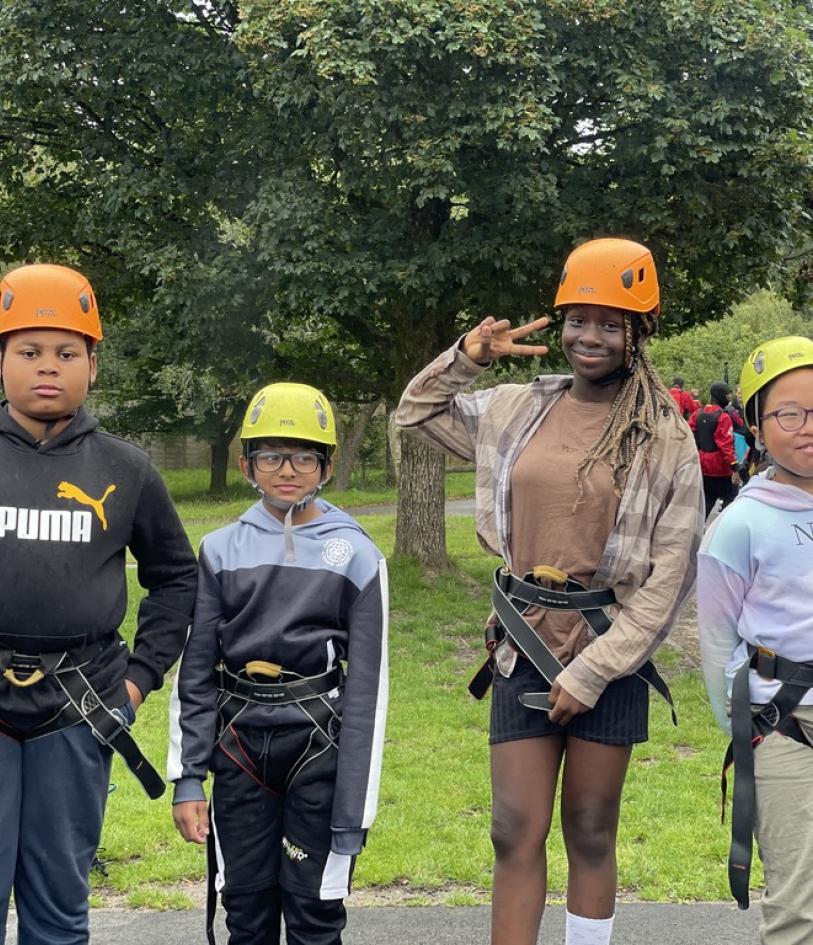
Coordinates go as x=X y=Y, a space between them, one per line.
x=188 y=789
x=348 y=842
x=140 y=677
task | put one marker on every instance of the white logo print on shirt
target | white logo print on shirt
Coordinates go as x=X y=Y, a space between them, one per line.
x=295 y=853
x=337 y=551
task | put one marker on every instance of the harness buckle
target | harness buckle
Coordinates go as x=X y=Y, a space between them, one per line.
x=770 y=714
x=544 y=572
x=15 y=680
x=122 y=726
x=766 y=663
x=263 y=668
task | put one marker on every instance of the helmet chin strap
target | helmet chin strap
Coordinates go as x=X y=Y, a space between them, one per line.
x=758 y=437
x=289 y=508
x=621 y=373
x=50 y=424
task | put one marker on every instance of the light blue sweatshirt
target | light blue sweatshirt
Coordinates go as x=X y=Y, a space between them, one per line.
x=755 y=585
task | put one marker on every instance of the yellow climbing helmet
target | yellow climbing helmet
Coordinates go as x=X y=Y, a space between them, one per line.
x=771 y=360
x=292 y=412
x=618 y=273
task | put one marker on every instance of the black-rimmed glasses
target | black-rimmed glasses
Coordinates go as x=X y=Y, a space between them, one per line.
x=270 y=461
x=790 y=419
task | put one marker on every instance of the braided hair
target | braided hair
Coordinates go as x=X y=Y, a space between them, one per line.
x=632 y=422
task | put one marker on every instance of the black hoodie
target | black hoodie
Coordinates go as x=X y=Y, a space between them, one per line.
x=69 y=509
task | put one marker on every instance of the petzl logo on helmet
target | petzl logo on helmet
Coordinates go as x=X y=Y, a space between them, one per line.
x=759 y=362
x=321 y=416
x=258 y=409
x=45 y=313
x=586 y=290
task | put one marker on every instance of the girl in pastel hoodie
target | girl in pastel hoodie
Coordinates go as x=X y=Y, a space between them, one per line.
x=755 y=607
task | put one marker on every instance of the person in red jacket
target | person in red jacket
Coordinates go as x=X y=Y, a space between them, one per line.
x=686 y=404
x=714 y=434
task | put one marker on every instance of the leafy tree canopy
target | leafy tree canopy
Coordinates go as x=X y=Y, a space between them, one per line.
x=381 y=170
x=441 y=156
x=128 y=149
x=717 y=350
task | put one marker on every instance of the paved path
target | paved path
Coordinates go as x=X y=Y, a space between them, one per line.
x=635 y=924
x=453 y=507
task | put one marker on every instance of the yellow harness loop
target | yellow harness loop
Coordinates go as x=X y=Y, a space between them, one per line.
x=15 y=680
x=543 y=572
x=261 y=668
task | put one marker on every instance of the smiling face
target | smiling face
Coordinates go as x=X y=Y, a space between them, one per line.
x=287 y=485
x=792 y=453
x=46 y=375
x=594 y=343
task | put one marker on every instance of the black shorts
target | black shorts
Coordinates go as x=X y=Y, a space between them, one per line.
x=620 y=717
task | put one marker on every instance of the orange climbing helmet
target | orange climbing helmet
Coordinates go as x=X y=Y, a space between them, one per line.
x=615 y=272
x=46 y=296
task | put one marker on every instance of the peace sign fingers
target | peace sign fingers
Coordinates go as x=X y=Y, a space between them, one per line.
x=493 y=339
x=522 y=331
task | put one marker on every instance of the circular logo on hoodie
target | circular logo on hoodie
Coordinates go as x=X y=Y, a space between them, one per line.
x=336 y=552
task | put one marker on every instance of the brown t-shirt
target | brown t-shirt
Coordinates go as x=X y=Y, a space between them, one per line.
x=549 y=528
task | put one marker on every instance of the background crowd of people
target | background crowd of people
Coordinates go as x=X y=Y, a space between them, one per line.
x=725 y=445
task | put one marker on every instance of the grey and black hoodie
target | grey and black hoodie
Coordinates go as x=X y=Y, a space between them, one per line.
x=69 y=510
x=328 y=605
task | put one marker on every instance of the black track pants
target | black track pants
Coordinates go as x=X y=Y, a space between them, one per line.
x=272 y=837
x=254 y=918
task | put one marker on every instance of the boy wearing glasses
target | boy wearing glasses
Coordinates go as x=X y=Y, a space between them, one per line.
x=754 y=588
x=282 y=688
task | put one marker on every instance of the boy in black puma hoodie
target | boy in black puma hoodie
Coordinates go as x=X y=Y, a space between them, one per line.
x=72 y=500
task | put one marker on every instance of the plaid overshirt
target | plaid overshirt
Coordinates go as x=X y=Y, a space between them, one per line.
x=650 y=556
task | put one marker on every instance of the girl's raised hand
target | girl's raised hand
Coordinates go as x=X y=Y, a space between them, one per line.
x=493 y=339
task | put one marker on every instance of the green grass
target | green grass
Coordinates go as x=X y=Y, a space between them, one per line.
x=431 y=838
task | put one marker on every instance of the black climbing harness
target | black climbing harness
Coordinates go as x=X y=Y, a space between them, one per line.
x=66 y=668
x=512 y=596
x=748 y=729
x=240 y=690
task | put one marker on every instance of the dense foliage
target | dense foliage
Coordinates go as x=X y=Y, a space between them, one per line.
x=332 y=190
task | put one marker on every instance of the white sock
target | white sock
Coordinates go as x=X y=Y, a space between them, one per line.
x=581 y=931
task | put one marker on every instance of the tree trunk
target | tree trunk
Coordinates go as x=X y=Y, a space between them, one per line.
x=393 y=451
x=420 y=527
x=349 y=446
x=219 y=464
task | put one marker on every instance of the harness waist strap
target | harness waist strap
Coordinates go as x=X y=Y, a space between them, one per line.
x=770 y=665
x=574 y=597
x=297 y=690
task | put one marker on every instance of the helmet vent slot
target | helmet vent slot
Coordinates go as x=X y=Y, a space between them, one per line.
x=626 y=278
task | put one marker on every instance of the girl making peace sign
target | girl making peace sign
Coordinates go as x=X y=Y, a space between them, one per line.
x=587 y=484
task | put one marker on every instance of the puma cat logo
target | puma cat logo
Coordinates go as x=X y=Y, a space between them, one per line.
x=67 y=490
